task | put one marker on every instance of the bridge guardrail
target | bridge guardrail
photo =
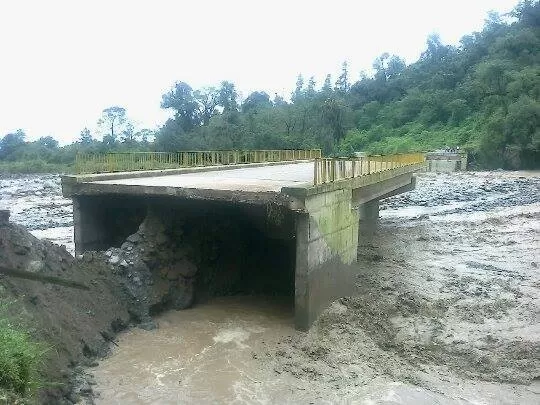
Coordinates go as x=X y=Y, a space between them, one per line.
x=134 y=161
x=328 y=170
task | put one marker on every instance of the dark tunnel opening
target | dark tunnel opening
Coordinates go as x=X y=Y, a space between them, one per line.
x=238 y=248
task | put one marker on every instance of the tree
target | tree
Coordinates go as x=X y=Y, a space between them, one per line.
x=145 y=135
x=394 y=67
x=310 y=91
x=228 y=97
x=278 y=101
x=85 y=138
x=113 y=118
x=11 y=143
x=256 y=101
x=298 y=92
x=379 y=65
x=208 y=101
x=327 y=86
x=48 y=142
x=186 y=109
x=128 y=134
x=333 y=115
x=342 y=82
x=436 y=51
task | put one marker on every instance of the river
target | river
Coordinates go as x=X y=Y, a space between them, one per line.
x=447 y=312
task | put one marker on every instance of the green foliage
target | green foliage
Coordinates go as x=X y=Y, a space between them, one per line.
x=20 y=358
x=482 y=96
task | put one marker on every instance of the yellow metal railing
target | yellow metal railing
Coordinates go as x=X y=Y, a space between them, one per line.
x=133 y=161
x=328 y=170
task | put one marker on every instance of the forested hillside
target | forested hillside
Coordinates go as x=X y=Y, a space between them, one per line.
x=483 y=96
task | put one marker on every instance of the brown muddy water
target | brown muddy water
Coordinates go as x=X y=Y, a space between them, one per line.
x=447 y=312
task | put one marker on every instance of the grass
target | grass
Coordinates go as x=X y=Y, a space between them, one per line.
x=20 y=360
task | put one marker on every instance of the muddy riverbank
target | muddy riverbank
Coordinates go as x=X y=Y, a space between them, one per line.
x=447 y=312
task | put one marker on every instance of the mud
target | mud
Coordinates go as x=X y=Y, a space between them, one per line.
x=447 y=312
x=76 y=326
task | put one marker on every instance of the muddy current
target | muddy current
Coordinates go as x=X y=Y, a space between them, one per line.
x=447 y=311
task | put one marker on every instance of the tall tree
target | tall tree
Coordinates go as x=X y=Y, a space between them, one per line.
x=256 y=101
x=10 y=143
x=85 y=137
x=310 y=91
x=228 y=97
x=182 y=101
x=298 y=92
x=342 y=82
x=208 y=101
x=327 y=86
x=113 y=118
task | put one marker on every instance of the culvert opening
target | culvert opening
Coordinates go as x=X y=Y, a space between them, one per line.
x=236 y=255
x=186 y=252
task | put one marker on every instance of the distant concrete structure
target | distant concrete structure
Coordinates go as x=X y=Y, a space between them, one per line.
x=446 y=162
x=321 y=209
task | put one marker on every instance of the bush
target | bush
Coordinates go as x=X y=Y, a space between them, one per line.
x=33 y=166
x=20 y=359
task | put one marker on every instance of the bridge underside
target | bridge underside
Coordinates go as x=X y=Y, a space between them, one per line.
x=301 y=241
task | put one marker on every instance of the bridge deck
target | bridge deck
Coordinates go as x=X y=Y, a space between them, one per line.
x=251 y=179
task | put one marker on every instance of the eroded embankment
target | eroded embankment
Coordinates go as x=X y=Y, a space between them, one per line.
x=75 y=324
x=171 y=261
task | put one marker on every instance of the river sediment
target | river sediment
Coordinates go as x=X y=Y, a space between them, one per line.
x=447 y=311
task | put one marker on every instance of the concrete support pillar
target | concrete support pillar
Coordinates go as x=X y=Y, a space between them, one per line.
x=87 y=225
x=302 y=318
x=369 y=213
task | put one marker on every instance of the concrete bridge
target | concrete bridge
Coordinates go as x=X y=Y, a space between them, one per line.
x=317 y=207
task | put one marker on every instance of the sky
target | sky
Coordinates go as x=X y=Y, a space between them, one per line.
x=63 y=62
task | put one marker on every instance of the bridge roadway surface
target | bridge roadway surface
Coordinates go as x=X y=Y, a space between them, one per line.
x=269 y=178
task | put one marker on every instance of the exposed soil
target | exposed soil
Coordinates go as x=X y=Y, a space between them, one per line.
x=76 y=325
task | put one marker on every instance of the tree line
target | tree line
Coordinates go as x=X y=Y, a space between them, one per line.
x=482 y=95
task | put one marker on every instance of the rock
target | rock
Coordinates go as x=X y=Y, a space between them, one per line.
x=148 y=325
x=172 y=275
x=184 y=294
x=126 y=246
x=85 y=388
x=135 y=238
x=185 y=268
x=161 y=239
x=22 y=246
x=108 y=253
x=124 y=264
x=114 y=260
